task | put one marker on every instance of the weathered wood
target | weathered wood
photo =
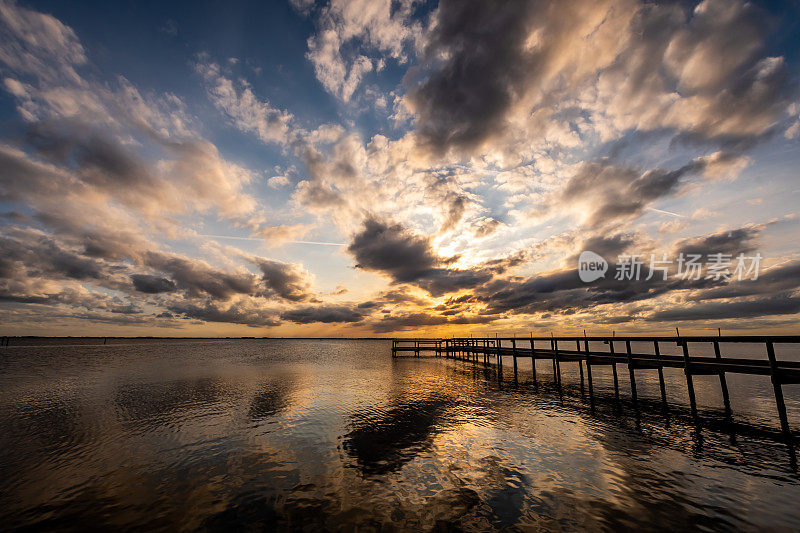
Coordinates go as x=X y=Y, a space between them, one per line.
x=589 y=370
x=723 y=384
x=661 y=383
x=689 y=381
x=514 y=355
x=614 y=368
x=778 y=388
x=580 y=364
x=631 y=373
x=499 y=361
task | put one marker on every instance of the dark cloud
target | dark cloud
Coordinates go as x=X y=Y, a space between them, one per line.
x=33 y=260
x=96 y=157
x=392 y=298
x=198 y=278
x=236 y=313
x=607 y=246
x=777 y=279
x=284 y=280
x=562 y=290
x=152 y=284
x=73 y=297
x=780 y=304
x=322 y=313
x=35 y=254
x=733 y=242
x=611 y=193
x=698 y=74
x=406 y=257
x=465 y=97
x=408 y=321
x=394 y=250
x=414 y=320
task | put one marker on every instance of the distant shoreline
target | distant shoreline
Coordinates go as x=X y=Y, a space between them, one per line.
x=87 y=337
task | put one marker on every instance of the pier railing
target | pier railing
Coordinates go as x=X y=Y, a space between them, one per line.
x=493 y=351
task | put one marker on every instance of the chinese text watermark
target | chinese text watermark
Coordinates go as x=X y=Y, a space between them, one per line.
x=686 y=266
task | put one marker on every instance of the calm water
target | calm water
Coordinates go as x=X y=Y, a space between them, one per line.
x=335 y=434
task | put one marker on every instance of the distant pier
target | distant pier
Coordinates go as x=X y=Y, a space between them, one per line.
x=493 y=351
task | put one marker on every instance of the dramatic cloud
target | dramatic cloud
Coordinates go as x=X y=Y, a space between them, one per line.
x=324 y=313
x=408 y=258
x=285 y=280
x=235 y=313
x=782 y=304
x=393 y=249
x=464 y=151
x=152 y=284
x=733 y=242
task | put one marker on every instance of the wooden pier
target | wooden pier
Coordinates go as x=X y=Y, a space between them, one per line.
x=493 y=351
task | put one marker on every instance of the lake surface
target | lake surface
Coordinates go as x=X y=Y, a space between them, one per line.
x=336 y=435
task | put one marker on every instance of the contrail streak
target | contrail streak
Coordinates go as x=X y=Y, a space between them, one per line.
x=665 y=212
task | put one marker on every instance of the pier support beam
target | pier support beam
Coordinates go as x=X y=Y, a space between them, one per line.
x=614 y=369
x=589 y=370
x=689 y=382
x=580 y=364
x=514 y=353
x=631 y=367
x=723 y=384
x=778 y=388
x=661 y=383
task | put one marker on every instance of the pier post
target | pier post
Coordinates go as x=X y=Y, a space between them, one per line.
x=557 y=362
x=588 y=370
x=687 y=368
x=723 y=384
x=631 y=373
x=514 y=353
x=533 y=358
x=614 y=368
x=776 y=385
x=580 y=364
x=499 y=359
x=661 y=383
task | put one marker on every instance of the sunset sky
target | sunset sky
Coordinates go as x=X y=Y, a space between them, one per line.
x=376 y=168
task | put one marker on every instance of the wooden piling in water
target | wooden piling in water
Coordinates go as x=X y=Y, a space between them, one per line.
x=777 y=386
x=614 y=369
x=557 y=362
x=689 y=380
x=580 y=364
x=514 y=355
x=723 y=384
x=588 y=369
x=661 y=384
x=631 y=372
